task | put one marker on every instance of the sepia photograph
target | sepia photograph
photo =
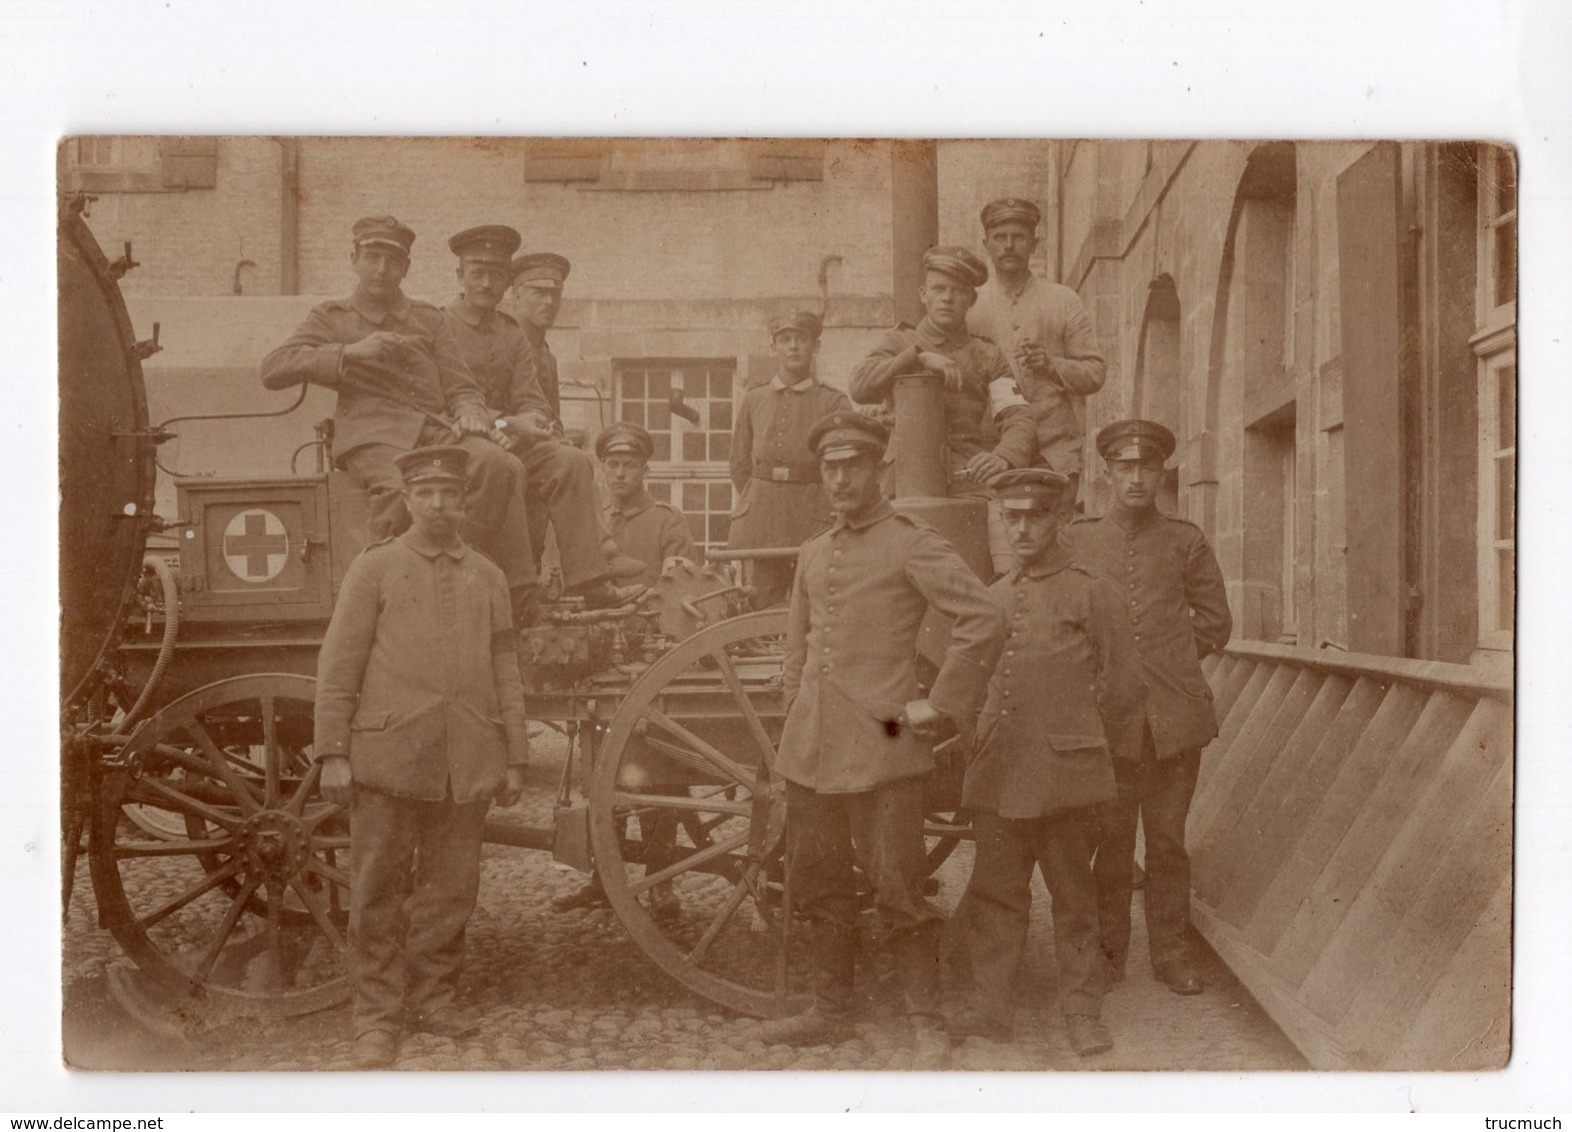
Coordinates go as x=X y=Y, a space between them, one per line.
x=786 y=603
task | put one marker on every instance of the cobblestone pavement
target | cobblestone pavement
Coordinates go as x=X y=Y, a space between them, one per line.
x=573 y=991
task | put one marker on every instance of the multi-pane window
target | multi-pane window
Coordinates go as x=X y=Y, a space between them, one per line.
x=1497 y=498
x=690 y=466
x=1495 y=347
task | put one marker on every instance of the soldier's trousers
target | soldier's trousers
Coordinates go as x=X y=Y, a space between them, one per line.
x=559 y=481
x=495 y=519
x=879 y=830
x=1155 y=792
x=414 y=876
x=1000 y=899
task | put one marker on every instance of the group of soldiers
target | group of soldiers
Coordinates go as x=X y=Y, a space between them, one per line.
x=1076 y=676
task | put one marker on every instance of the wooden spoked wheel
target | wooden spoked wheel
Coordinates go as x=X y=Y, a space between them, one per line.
x=240 y=895
x=687 y=816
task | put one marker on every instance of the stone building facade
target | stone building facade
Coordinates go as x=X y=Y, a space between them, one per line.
x=1327 y=327
x=1330 y=331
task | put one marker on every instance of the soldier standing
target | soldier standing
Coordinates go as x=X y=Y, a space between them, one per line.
x=559 y=479
x=779 y=501
x=852 y=749
x=1178 y=606
x=398 y=372
x=1068 y=686
x=419 y=724
x=1043 y=329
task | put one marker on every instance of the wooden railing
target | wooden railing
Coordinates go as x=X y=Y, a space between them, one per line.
x=1352 y=846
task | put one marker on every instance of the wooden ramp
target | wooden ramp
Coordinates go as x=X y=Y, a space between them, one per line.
x=1352 y=846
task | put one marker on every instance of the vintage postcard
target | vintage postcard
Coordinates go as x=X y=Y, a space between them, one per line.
x=787 y=604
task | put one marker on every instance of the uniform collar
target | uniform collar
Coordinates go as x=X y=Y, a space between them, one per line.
x=879 y=511
x=421 y=545
x=1133 y=520
x=1057 y=558
x=931 y=334
x=1031 y=281
x=472 y=317
x=778 y=383
x=399 y=309
x=640 y=503
x=535 y=334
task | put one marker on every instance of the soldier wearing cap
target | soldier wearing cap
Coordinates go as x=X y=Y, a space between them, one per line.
x=559 y=478
x=987 y=421
x=649 y=531
x=642 y=526
x=537 y=281
x=1067 y=689
x=855 y=748
x=419 y=725
x=1172 y=586
x=1043 y=329
x=779 y=501
x=402 y=383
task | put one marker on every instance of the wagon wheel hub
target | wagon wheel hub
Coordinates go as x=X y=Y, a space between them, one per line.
x=275 y=844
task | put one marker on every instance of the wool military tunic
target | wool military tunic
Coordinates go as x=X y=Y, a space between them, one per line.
x=389 y=403
x=1067 y=687
x=988 y=413
x=418 y=678
x=545 y=368
x=1173 y=589
x=501 y=360
x=1052 y=316
x=652 y=532
x=779 y=499
x=859 y=598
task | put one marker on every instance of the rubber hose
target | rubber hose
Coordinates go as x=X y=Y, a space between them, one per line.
x=166 y=650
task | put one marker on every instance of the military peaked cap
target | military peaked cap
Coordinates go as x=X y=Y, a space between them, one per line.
x=489 y=243
x=956 y=262
x=541 y=269
x=805 y=321
x=846 y=433
x=1029 y=489
x=1010 y=208
x=438 y=462
x=624 y=437
x=384 y=230
x=1135 y=440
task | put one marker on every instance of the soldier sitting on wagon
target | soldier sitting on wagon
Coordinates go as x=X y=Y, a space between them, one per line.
x=652 y=532
x=559 y=479
x=402 y=383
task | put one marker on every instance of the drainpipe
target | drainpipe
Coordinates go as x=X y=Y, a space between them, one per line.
x=914 y=220
x=289 y=217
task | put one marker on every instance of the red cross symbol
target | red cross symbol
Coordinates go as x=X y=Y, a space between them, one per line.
x=253 y=551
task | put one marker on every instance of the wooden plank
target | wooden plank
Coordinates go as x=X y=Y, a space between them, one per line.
x=1221 y=768
x=1435 y=808
x=1226 y=693
x=1210 y=832
x=1315 y=1040
x=1288 y=804
x=1435 y=930
x=1333 y=815
x=1467 y=1023
x=1431 y=675
x=1388 y=801
x=1247 y=847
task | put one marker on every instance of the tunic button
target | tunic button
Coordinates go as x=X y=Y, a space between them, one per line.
x=1004 y=711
